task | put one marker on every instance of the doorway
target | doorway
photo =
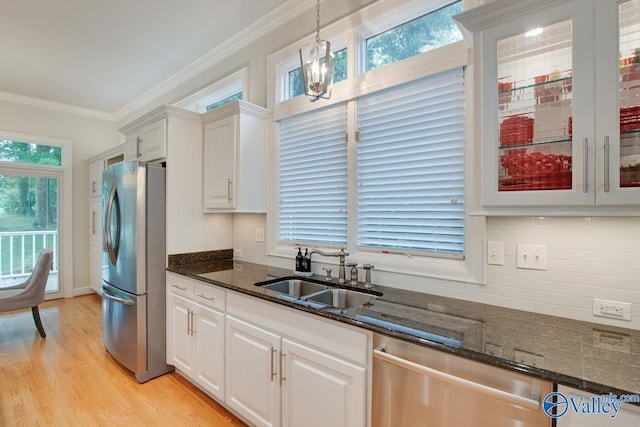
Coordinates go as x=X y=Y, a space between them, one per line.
x=32 y=178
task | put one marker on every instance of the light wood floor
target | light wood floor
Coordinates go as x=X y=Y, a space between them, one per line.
x=68 y=379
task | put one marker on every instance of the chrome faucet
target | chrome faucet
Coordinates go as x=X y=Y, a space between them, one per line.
x=341 y=254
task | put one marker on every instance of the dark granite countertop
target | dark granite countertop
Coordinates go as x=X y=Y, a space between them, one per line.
x=595 y=358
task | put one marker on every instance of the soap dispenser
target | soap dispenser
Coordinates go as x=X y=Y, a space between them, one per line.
x=306 y=262
x=299 y=260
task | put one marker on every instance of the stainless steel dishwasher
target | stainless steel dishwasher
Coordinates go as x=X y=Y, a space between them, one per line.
x=418 y=386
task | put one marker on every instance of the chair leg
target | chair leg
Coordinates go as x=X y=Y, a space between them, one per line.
x=36 y=318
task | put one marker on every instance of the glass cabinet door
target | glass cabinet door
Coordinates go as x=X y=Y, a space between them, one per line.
x=629 y=97
x=535 y=109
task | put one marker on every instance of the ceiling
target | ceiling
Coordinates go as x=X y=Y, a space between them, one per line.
x=103 y=54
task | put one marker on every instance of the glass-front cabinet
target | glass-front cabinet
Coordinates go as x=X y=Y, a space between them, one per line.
x=559 y=112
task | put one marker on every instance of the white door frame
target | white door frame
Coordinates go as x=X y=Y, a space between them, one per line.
x=64 y=175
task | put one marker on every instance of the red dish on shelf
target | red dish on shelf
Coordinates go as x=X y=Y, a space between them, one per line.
x=629 y=119
x=516 y=130
x=535 y=171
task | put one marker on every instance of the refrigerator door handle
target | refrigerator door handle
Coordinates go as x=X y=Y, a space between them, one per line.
x=112 y=247
x=116 y=299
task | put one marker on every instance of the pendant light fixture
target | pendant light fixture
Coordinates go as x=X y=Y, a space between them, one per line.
x=318 y=67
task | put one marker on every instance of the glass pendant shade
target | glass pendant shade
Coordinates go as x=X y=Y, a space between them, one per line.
x=318 y=69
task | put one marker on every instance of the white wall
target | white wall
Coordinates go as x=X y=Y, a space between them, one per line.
x=90 y=136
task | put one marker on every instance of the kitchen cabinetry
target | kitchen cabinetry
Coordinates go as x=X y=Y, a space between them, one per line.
x=98 y=258
x=291 y=365
x=557 y=131
x=95 y=178
x=234 y=156
x=148 y=143
x=628 y=415
x=196 y=333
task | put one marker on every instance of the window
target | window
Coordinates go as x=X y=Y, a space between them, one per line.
x=403 y=109
x=419 y=35
x=25 y=152
x=228 y=99
x=313 y=177
x=411 y=166
x=228 y=89
x=295 y=76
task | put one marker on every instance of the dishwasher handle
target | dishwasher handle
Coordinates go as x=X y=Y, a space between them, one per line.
x=532 y=404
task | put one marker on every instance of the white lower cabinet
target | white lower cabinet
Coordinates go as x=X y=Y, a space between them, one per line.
x=271 y=365
x=253 y=382
x=196 y=333
x=319 y=389
x=289 y=369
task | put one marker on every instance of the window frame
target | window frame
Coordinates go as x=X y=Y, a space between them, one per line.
x=221 y=89
x=355 y=28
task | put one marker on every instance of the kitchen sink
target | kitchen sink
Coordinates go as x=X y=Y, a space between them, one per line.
x=316 y=295
x=295 y=288
x=341 y=298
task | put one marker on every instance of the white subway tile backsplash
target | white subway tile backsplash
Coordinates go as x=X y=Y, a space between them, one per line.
x=587 y=258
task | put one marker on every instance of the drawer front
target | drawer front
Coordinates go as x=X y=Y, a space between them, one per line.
x=182 y=286
x=210 y=296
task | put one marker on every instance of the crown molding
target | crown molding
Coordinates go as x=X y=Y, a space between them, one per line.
x=56 y=106
x=274 y=19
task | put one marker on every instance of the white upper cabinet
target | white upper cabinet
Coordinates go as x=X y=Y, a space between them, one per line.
x=149 y=143
x=234 y=158
x=148 y=138
x=557 y=130
x=95 y=178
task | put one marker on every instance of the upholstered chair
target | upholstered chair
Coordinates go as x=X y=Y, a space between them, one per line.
x=31 y=292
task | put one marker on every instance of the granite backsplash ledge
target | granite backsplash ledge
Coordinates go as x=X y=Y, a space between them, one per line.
x=204 y=257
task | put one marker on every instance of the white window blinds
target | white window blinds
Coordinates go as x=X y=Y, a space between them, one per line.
x=313 y=177
x=411 y=166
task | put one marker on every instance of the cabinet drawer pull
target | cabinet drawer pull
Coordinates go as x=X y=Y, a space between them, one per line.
x=179 y=287
x=229 y=182
x=201 y=295
x=585 y=165
x=282 y=378
x=273 y=371
x=606 y=164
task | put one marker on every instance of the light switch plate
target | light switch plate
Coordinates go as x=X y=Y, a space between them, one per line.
x=533 y=257
x=495 y=253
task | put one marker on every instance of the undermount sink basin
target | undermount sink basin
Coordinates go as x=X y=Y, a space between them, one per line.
x=295 y=288
x=316 y=295
x=341 y=298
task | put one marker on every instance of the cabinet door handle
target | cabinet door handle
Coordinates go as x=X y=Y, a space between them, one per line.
x=282 y=377
x=93 y=222
x=138 y=142
x=585 y=165
x=273 y=371
x=206 y=297
x=93 y=187
x=193 y=318
x=606 y=164
x=229 y=182
x=188 y=321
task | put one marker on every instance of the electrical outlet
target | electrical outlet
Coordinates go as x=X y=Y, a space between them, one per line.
x=530 y=359
x=237 y=253
x=612 y=309
x=493 y=349
x=533 y=257
x=259 y=234
x=495 y=253
x=612 y=341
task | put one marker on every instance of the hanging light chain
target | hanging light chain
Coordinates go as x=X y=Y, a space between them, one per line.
x=318 y=22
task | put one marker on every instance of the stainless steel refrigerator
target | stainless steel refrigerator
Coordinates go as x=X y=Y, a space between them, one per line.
x=133 y=279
